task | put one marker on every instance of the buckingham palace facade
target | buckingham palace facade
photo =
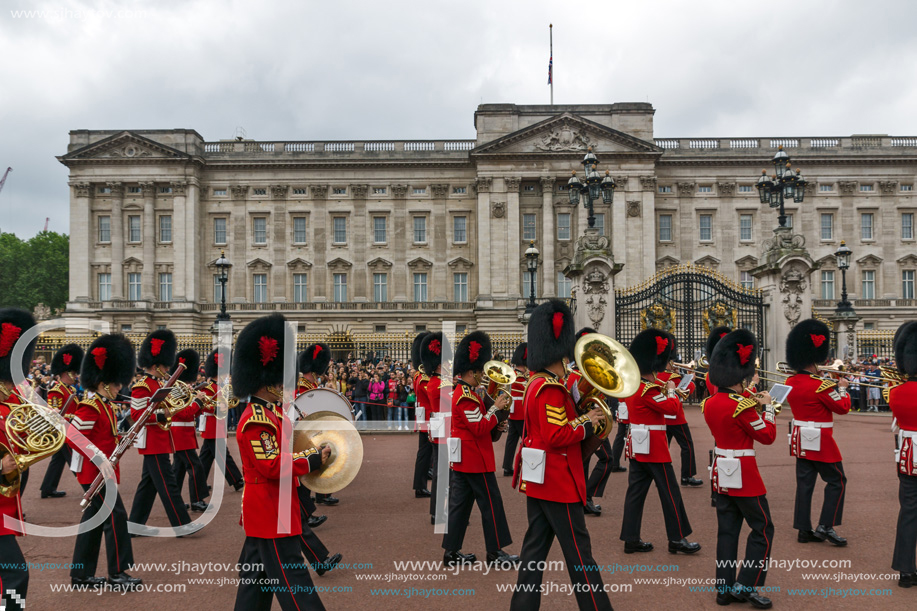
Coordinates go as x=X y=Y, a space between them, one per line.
x=372 y=236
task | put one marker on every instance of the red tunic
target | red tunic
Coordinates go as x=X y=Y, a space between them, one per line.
x=259 y=447
x=517 y=391
x=208 y=409
x=434 y=390
x=552 y=425
x=903 y=402
x=678 y=418
x=472 y=423
x=157 y=440
x=736 y=425
x=814 y=399
x=9 y=505
x=58 y=395
x=183 y=434
x=712 y=389
x=421 y=400
x=649 y=406
x=303 y=386
x=96 y=419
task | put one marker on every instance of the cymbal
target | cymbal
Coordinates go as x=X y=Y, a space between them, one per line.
x=337 y=432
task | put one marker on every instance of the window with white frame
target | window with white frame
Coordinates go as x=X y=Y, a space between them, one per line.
x=529 y=229
x=825 y=188
x=827 y=226
x=165 y=286
x=379 y=190
x=104 y=287
x=746 y=280
x=339 y=191
x=564 y=286
x=219 y=192
x=300 y=288
x=219 y=230
x=745 y=227
x=746 y=189
x=133 y=229
x=105 y=229
x=527 y=284
x=866 y=226
x=866 y=188
x=134 y=190
x=907 y=284
x=459 y=190
x=460 y=286
x=907 y=187
x=460 y=229
x=217 y=289
x=665 y=189
x=600 y=223
x=420 y=229
x=705 y=189
x=379 y=230
x=907 y=226
x=133 y=286
x=259 y=282
x=380 y=287
x=827 y=285
x=665 y=227
x=868 y=284
x=340 y=288
x=563 y=226
x=300 y=191
x=705 y=222
x=419 y=190
x=259 y=225
x=420 y=286
x=299 y=230
x=789 y=221
x=339 y=224
x=165 y=190
x=165 y=228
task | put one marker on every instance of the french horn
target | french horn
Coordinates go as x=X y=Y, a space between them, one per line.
x=35 y=433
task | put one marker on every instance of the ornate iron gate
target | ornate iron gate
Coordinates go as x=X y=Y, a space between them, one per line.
x=688 y=302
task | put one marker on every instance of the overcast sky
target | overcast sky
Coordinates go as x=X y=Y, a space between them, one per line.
x=306 y=70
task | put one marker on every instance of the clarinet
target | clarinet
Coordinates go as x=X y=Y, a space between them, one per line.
x=127 y=440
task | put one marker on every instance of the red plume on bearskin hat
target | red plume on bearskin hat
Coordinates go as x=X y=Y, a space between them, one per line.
x=472 y=352
x=432 y=348
x=258 y=357
x=651 y=348
x=415 y=349
x=216 y=359
x=13 y=325
x=109 y=360
x=192 y=361
x=716 y=335
x=520 y=355
x=315 y=359
x=808 y=343
x=550 y=335
x=158 y=348
x=733 y=358
x=67 y=358
x=906 y=348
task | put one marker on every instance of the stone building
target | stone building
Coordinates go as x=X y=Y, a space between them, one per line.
x=369 y=236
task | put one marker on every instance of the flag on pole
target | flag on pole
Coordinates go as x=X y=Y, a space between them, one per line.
x=551 y=70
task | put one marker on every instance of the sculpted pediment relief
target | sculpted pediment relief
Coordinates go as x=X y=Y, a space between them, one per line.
x=125 y=146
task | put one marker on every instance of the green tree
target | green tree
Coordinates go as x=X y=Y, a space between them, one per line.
x=34 y=271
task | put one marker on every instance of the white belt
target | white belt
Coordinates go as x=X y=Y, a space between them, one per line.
x=813 y=425
x=649 y=427
x=182 y=424
x=907 y=434
x=733 y=453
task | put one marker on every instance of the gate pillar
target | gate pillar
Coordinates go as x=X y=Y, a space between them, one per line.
x=592 y=273
x=784 y=278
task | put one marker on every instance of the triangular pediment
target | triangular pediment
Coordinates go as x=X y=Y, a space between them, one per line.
x=827 y=262
x=339 y=263
x=460 y=262
x=908 y=260
x=419 y=262
x=708 y=261
x=132 y=261
x=747 y=261
x=666 y=261
x=567 y=133
x=258 y=262
x=379 y=262
x=869 y=260
x=298 y=262
x=124 y=146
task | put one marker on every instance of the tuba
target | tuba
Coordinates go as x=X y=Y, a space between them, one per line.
x=35 y=433
x=501 y=377
x=181 y=397
x=607 y=368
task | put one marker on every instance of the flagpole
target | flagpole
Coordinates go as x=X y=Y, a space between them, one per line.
x=551 y=31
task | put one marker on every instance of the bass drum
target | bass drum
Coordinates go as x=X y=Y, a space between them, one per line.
x=324 y=400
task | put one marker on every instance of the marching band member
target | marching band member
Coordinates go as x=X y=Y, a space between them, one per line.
x=108 y=367
x=157 y=354
x=516 y=414
x=304 y=383
x=903 y=402
x=551 y=465
x=257 y=378
x=648 y=451
x=471 y=453
x=677 y=426
x=814 y=402
x=716 y=335
x=424 y=447
x=737 y=485
x=211 y=429
x=185 y=437
x=65 y=366
x=431 y=356
x=14 y=572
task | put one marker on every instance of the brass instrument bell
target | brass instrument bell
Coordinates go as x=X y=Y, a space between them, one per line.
x=35 y=433
x=503 y=376
x=607 y=368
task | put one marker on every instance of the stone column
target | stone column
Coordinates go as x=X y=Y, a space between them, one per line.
x=784 y=278
x=280 y=241
x=321 y=237
x=401 y=230
x=237 y=288
x=182 y=264
x=117 y=240
x=643 y=210
x=360 y=241
x=81 y=252
x=484 y=218
x=592 y=274
x=439 y=282
x=513 y=237
x=149 y=288
x=548 y=236
x=194 y=233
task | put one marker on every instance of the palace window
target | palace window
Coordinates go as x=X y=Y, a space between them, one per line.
x=907 y=226
x=746 y=189
x=133 y=286
x=339 y=191
x=459 y=229
x=165 y=190
x=300 y=191
x=165 y=228
x=379 y=328
x=706 y=227
x=380 y=287
x=420 y=286
x=104 y=287
x=705 y=189
x=379 y=190
x=459 y=190
x=460 y=286
x=747 y=280
x=529 y=230
x=299 y=230
x=866 y=188
x=907 y=187
x=379 y=233
x=219 y=192
x=259 y=224
x=827 y=285
x=105 y=229
x=217 y=289
x=133 y=190
x=259 y=282
x=219 y=230
x=826 y=188
x=665 y=189
x=527 y=284
x=827 y=226
x=745 y=225
x=789 y=221
x=420 y=230
x=563 y=226
x=300 y=288
x=866 y=226
x=665 y=227
x=419 y=190
x=165 y=287
x=340 y=230
x=600 y=223
x=104 y=190
x=564 y=286
x=868 y=284
x=907 y=284
x=340 y=288
x=133 y=229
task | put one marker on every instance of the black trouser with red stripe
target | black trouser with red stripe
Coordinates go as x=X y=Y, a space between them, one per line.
x=640 y=476
x=595 y=485
x=832 y=510
x=208 y=453
x=905 y=558
x=422 y=462
x=464 y=490
x=682 y=435
x=117 y=540
x=280 y=561
x=513 y=434
x=434 y=464
x=188 y=461
x=157 y=477
x=51 y=480
x=14 y=582
x=566 y=521
x=312 y=547
x=617 y=448
x=731 y=511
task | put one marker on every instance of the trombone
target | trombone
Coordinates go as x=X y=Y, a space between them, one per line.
x=891 y=376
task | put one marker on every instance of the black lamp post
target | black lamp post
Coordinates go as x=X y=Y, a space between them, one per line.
x=223 y=265
x=531 y=261
x=843 y=263
x=593 y=188
x=783 y=186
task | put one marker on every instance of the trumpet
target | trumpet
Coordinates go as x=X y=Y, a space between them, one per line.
x=501 y=377
x=607 y=368
x=778 y=407
x=38 y=433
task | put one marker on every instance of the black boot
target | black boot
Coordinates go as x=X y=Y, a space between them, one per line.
x=637 y=546
x=907 y=580
x=808 y=536
x=750 y=595
x=592 y=509
x=327 y=564
x=829 y=534
x=453 y=558
x=684 y=546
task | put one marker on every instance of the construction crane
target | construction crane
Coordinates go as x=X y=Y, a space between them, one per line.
x=47 y=218
x=3 y=180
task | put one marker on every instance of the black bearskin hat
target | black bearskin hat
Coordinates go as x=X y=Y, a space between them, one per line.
x=733 y=358
x=68 y=358
x=716 y=335
x=109 y=360
x=551 y=334
x=158 y=348
x=13 y=324
x=315 y=359
x=906 y=348
x=192 y=361
x=651 y=348
x=472 y=352
x=415 y=349
x=808 y=343
x=258 y=358
x=520 y=355
x=431 y=351
x=214 y=360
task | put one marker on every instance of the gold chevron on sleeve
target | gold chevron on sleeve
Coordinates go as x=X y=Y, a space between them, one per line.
x=556 y=415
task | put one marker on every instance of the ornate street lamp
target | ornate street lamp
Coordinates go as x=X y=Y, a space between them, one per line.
x=223 y=265
x=531 y=261
x=784 y=185
x=592 y=188
x=843 y=263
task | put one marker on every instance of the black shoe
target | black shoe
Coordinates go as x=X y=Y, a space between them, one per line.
x=502 y=559
x=684 y=546
x=330 y=500
x=187 y=506
x=637 y=546
x=430 y=474
x=123 y=579
x=316 y=521
x=422 y=494
x=507 y=473
x=619 y=469
x=822 y=534
x=808 y=536
x=238 y=486
x=87 y=581
x=907 y=580
x=453 y=558
x=691 y=482
x=750 y=595
x=327 y=564
x=54 y=494
x=726 y=598
x=592 y=509
x=199 y=506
